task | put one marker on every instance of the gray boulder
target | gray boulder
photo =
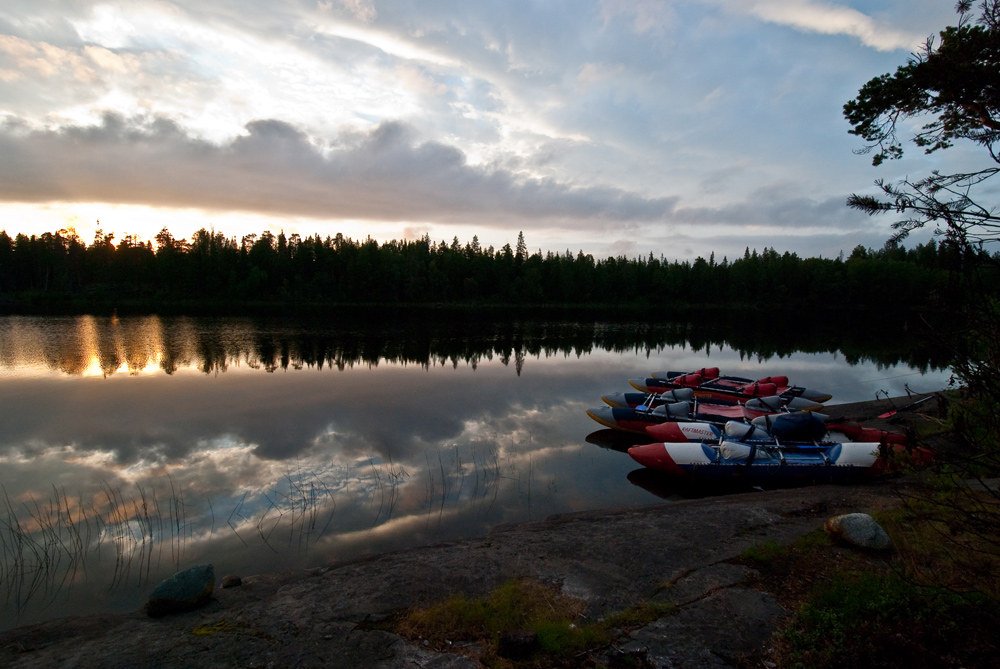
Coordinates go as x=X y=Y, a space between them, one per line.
x=859 y=530
x=184 y=591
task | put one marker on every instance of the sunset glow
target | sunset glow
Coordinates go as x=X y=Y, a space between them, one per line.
x=616 y=128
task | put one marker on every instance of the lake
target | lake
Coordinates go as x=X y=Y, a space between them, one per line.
x=131 y=447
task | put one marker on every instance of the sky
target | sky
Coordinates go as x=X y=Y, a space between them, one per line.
x=613 y=127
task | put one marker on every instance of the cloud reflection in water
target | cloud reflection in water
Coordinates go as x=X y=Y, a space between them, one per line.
x=147 y=444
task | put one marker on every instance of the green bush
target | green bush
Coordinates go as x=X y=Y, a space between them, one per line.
x=883 y=621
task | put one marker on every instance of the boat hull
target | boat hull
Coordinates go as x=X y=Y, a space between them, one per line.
x=642 y=421
x=838 y=463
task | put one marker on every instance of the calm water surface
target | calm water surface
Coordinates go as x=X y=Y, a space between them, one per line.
x=131 y=447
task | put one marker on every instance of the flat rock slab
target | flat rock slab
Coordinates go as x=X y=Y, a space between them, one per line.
x=714 y=631
x=700 y=583
x=612 y=559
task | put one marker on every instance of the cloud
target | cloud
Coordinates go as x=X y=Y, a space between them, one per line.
x=47 y=81
x=412 y=232
x=43 y=60
x=592 y=73
x=646 y=15
x=539 y=118
x=362 y=10
x=720 y=180
x=109 y=60
x=654 y=16
x=622 y=248
x=828 y=19
x=384 y=174
x=83 y=64
x=777 y=206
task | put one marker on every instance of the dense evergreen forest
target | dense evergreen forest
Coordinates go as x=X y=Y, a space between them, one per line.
x=59 y=268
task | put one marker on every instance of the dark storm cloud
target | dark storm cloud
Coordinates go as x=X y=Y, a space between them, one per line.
x=275 y=168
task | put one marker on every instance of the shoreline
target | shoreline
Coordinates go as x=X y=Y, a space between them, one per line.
x=612 y=559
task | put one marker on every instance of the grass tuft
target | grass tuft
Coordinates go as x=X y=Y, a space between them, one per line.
x=564 y=635
x=922 y=606
x=766 y=553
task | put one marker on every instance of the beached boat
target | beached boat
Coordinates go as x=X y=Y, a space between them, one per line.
x=728 y=460
x=642 y=418
x=653 y=400
x=775 y=429
x=707 y=383
x=782 y=448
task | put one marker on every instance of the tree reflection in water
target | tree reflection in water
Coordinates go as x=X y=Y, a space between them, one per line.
x=134 y=446
x=86 y=344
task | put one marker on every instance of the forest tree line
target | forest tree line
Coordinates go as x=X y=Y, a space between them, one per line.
x=278 y=268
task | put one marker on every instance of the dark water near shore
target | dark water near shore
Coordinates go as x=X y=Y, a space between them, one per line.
x=135 y=446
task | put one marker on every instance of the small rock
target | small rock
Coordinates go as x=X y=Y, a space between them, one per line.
x=184 y=591
x=859 y=530
x=231 y=581
x=631 y=658
x=517 y=645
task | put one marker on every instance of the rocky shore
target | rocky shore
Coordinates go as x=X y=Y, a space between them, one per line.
x=678 y=552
